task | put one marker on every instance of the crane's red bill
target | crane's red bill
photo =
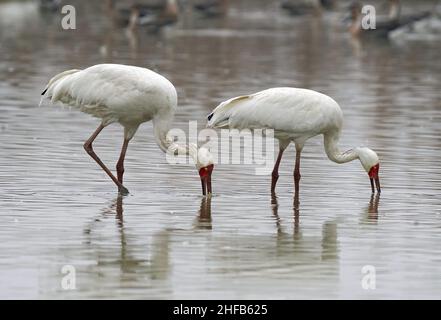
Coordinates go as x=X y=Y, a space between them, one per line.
x=205 y=174
x=373 y=175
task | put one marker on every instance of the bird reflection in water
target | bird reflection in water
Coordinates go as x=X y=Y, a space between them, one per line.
x=155 y=259
x=372 y=209
x=115 y=207
x=329 y=240
x=203 y=220
x=296 y=216
x=328 y=246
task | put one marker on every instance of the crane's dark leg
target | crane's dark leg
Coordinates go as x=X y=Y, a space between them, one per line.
x=204 y=191
x=89 y=150
x=275 y=173
x=297 y=175
x=120 y=163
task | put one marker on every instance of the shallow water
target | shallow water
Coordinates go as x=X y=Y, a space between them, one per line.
x=164 y=240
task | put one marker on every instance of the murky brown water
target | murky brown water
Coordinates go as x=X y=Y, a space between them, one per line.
x=164 y=240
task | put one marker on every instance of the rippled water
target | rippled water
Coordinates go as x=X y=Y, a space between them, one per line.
x=164 y=240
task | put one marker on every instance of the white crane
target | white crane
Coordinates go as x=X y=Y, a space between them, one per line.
x=294 y=115
x=129 y=95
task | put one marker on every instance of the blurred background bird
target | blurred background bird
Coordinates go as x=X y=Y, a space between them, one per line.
x=152 y=16
x=383 y=24
x=212 y=8
x=302 y=7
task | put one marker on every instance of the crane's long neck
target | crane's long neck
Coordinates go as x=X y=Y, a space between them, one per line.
x=161 y=126
x=333 y=152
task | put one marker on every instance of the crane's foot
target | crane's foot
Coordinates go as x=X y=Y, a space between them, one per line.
x=123 y=190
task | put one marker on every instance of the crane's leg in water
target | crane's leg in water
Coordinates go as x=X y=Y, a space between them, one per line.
x=89 y=150
x=120 y=163
x=275 y=173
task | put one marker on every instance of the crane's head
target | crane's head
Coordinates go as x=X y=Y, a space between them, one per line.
x=204 y=163
x=371 y=163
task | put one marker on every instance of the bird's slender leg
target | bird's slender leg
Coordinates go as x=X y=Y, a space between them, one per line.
x=120 y=163
x=275 y=173
x=297 y=175
x=89 y=150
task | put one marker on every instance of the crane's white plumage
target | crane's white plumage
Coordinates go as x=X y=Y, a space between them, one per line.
x=126 y=94
x=277 y=108
x=116 y=93
x=295 y=115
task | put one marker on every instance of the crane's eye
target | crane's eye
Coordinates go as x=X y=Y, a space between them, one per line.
x=210 y=116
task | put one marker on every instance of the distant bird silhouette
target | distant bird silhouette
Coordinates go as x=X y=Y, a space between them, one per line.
x=404 y=19
x=328 y=4
x=122 y=13
x=155 y=19
x=302 y=7
x=383 y=26
x=426 y=29
x=49 y=5
x=212 y=8
x=152 y=16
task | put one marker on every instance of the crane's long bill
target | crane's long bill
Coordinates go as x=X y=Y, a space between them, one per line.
x=377 y=183
x=205 y=174
x=209 y=184
x=373 y=176
x=206 y=185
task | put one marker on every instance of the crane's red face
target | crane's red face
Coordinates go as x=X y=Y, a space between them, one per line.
x=373 y=176
x=205 y=174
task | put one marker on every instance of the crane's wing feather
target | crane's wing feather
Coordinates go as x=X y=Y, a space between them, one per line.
x=107 y=90
x=289 y=110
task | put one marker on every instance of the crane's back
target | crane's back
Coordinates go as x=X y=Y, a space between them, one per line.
x=114 y=92
x=293 y=111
